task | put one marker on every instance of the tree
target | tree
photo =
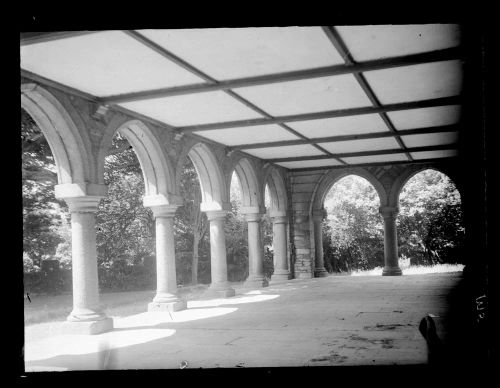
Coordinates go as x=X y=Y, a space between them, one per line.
x=191 y=224
x=45 y=218
x=353 y=227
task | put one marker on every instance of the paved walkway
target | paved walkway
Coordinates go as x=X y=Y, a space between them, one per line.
x=337 y=320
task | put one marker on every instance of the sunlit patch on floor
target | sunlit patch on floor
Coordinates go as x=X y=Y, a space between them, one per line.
x=230 y=301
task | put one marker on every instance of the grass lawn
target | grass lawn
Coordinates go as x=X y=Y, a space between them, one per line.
x=50 y=308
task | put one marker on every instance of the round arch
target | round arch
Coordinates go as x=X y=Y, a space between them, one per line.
x=154 y=164
x=213 y=186
x=249 y=184
x=406 y=175
x=68 y=146
x=277 y=191
x=330 y=178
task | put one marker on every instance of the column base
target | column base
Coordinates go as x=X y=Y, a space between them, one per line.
x=320 y=273
x=175 y=305
x=392 y=271
x=220 y=292
x=255 y=283
x=279 y=278
x=87 y=327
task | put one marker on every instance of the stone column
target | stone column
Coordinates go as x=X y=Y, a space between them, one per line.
x=281 y=272
x=86 y=316
x=391 y=267
x=319 y=270
x=218 y=261
x=255 y=252
x=166 y=290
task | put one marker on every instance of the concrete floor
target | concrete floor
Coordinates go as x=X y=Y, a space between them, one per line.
x=337 y=320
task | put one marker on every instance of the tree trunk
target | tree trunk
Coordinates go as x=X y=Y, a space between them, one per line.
x=194 y=264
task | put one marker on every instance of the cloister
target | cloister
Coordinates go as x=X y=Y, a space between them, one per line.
x=293 y=108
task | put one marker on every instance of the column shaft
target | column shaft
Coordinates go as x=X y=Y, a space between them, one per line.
x=84 y=268
x=281 y=271
x=166 y=278
x=319 y=270
x=255 y=252
x=218 y=261
x=86 y=316
x=391 y=267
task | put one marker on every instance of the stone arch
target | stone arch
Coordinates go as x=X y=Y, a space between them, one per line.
x=69 y=146
x=155 y=166
x=333 y=176
x=249 y=184
x=277 y=191
x=407 y=174
x=213 y=186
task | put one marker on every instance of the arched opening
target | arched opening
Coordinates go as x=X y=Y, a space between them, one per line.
x=267 y=235
x=236 y=233
x=46 y=219
x=275 y=228
x=125 y=228
x=215 y=204
x=430 y=223
x=353 y=236
x=191 y=231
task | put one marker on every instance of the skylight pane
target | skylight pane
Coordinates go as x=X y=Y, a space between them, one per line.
x=248 y=135
x=417 y=82
x=193 y=109
x=304 y=96
x=103 y=64
x=375 y=158
x=285 y=151
x=430 y=139
x=310 y=163
x=433 y=154
x=381 y=41
x=361 y=145
x=338 y=126
x=425 y=117
x=226 y=53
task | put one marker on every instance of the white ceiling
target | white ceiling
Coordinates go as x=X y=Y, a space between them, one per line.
x=110 y=63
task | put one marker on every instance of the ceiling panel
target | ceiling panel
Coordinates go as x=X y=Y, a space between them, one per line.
x=310 y=163
x=193 y=109
x=433 y=154
x=244 y=52
x=248 y=135
x=337 y=126
x=312 y=95
x=416 y=82
x=103 y=64
x=285 y=151
x=425 y=117
x=361 y=145
x=375 y=158
x=381 y=41
x=430 y=139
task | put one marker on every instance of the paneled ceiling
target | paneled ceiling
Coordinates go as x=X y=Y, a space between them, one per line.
x=300 y=97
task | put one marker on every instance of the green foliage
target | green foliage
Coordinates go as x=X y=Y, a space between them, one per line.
x=353 y=230
x=430 y=223
x=430 y=226
x=45 y=222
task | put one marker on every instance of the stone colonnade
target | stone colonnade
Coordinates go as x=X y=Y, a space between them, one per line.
x=80 y=133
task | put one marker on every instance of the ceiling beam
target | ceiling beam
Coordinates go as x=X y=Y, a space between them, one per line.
x=419 y=161
x=325 y=114
x=28 y=38
x=341 y=47
x=187 y=66
x=386 y=63
x=362 y=136
x=363 y=153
